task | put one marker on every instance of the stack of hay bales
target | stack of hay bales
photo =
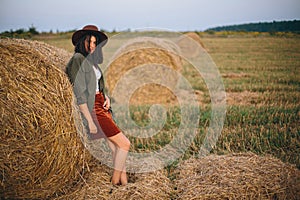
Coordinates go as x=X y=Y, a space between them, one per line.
x=237 y=176
x=146 y=51
x=41 y=154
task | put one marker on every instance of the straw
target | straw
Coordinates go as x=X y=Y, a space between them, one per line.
x=41 y=154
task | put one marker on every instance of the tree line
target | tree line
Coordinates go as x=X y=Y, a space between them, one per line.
x=21 y=33
x=275 y=26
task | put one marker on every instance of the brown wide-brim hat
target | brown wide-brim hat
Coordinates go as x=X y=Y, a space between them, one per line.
x=89 y=29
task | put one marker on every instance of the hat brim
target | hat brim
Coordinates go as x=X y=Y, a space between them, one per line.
x=80 y=33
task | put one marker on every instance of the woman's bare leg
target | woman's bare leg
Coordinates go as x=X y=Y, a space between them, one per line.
x=113 y=148
x=123 y=145
x=123 y=178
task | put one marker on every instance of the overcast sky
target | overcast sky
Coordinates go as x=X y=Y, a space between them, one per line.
x=177 y=15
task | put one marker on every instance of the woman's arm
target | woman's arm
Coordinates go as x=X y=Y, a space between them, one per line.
x=76 y=74
x=86 y=113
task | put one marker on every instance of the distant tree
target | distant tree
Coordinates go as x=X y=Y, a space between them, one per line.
x=19 y=31
x=32 y=30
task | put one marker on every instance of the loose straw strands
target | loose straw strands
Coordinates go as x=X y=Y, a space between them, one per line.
x=153 y=185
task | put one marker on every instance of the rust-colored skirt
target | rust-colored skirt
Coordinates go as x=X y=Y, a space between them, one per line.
x=103 y=119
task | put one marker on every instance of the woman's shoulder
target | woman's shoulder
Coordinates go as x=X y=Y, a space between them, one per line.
x=77 y=59
x=80 y=60
x=78 y=56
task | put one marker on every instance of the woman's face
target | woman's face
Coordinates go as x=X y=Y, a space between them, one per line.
x=90 y=45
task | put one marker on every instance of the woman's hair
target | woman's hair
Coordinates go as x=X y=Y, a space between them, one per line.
x=97 y=56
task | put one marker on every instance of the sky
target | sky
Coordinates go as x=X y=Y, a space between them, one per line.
x=120 y=15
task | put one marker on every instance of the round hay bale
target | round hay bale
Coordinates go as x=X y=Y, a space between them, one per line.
x=53 y=55
x=146 y=52
x=237 y=176
x=40 y=151
x=195 y=37
x=189 y=43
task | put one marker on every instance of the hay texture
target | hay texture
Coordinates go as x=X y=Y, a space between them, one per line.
x=41 y=154
x=154 y=185
x=191 y=45
x=237 y=176
x=156 y=56
x=195 y=37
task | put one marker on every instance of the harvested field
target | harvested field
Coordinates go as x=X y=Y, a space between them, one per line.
x=242 y=98
x=40 y=151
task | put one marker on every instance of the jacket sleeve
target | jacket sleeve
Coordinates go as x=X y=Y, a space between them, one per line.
x=76 y=75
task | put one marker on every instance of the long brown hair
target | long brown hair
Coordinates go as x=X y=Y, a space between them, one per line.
x=97 y=56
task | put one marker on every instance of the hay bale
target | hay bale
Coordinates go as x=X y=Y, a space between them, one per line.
x=53 y=55
x=146 y=52
x=40 y=152
x=237 y=176
x=195 y=37
x=153 y=185
x=96 y=185
x=190 y=44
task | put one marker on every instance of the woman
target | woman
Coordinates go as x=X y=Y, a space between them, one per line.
x=88 y=84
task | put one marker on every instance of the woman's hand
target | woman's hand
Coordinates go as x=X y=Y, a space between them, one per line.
x=92 y=127
x=106 y=104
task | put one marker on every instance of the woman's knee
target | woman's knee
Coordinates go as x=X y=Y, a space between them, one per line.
x=121 y=141
x=125 y=144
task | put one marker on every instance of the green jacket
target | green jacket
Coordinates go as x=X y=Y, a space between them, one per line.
x=81 y=74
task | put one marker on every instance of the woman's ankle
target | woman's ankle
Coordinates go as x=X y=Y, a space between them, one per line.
x=115 y=179
x=123 y=178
